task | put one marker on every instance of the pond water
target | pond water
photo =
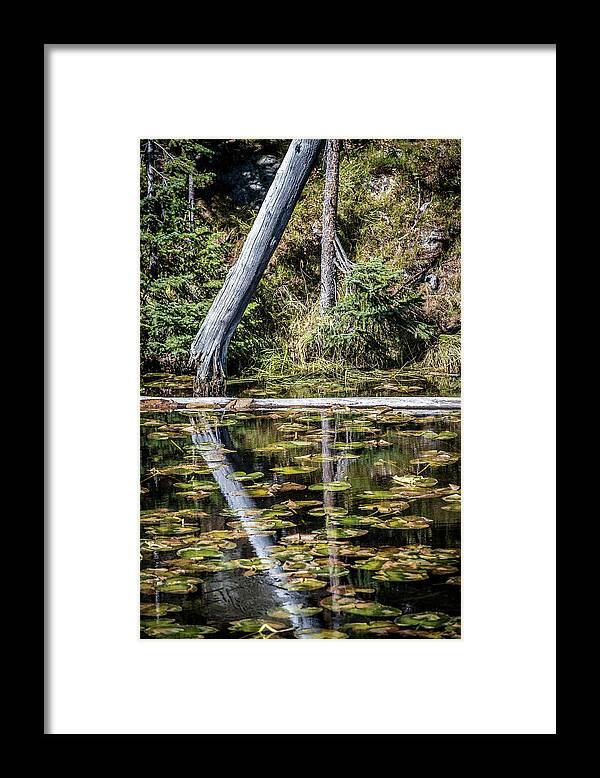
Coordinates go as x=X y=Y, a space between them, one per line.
x=352 y=383
x=300 y=524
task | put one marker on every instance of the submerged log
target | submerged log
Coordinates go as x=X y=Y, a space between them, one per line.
x=208 y=352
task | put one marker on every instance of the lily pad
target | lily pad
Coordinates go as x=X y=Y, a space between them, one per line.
x=257 y=563
x=158 y=608
x=325 y=634
x=374 y=629
x=303 y=585
x=357 y=607
x=293 y=469
x=251 y=626
x=331 y=486
x=180 y=631
x=200 y=552
x=427 y=620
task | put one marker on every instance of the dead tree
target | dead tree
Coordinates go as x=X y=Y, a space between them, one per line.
x=328 y=242
x=208 y=353
x=191 y=201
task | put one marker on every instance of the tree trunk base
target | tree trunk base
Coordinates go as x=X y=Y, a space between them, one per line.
x=213 y=387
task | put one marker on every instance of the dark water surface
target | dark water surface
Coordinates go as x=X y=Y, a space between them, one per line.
x=366 y=569
x=353 y=383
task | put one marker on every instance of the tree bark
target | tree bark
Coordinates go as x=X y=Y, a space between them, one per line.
x=328 y=247
x=208 y=352
x=149 y=192
x=149 y=168
x=191 y=202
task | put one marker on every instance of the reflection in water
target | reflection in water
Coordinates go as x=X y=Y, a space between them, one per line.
x=265 y=587
x=369 y=449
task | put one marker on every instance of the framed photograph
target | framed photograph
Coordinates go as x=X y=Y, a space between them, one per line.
x=284 y=333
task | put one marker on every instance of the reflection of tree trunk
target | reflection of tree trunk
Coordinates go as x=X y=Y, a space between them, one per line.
x=328 y=502
x=250 y=597
x=341 y=467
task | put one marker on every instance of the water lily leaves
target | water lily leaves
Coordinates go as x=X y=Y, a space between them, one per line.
x=295 y=505
x=261 y=525
x=374 y=629
x=257 y=563
x=427 y=620
x=326 y=548
x=304 y=610
x=164 y=544
x=328 y=510
x=392 y=572
x=290 y=553
x=378 y=495
x=158 y=608
x=303 y=585
x=171 y=529
x=252 y=626
x=178 y=585
x=350 y=591
x=299 y=538
x=385 y=508
x=293 y=469
x=323 y=458
x=195 y=485
x=184 y=469
x=331 y=486
x=435 y=458
x=240 y=475
x=372 y=564
x=180 y=631
x=200 y=552
x=415 y=480
x=291 y=427
x=356 y=607
x=325 y=634
x=186 y=566
x=454 y=502
x=288 y=486
x=217 y=535
x=405 y=522
x=354 y=521
x=257 y=491
x=336 y=533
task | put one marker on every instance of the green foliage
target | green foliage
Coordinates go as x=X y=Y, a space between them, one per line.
x=378 y=322
x=444 y=354
x=375 y=324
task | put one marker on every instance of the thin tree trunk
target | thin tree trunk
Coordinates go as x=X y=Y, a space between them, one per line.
x=149 y=168
x=191 y=199
x=149 y=193
x=208 y=353
x=330 y=197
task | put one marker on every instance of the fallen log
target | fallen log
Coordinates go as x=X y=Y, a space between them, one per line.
x=409 y=404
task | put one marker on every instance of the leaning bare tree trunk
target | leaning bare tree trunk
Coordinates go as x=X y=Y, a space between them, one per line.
x=208 y=353
x=328 y=247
